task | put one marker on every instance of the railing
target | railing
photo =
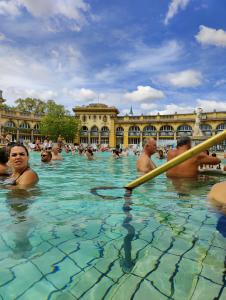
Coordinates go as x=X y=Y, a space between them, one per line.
x=149 y=133
x=104 y=133
x=119 y=133
x=94 y=133
x=184 y=133
x=166 y=133
x=134 y=133
x=84 y=133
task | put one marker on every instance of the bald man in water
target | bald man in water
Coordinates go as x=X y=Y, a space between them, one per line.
x=144 y=163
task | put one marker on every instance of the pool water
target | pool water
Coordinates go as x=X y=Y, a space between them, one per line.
x=69 y=238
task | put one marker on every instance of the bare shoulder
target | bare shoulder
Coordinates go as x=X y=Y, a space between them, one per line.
x=28 y=178
x=217 y=190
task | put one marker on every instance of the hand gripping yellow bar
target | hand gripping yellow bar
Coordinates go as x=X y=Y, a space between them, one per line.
x=177 y=160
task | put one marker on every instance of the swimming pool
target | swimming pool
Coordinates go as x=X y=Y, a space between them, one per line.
x=60 y=241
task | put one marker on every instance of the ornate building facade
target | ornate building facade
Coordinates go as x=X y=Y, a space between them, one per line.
x=101 y=124
x=18 y=125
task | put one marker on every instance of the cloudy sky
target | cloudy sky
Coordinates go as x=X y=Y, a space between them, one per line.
x=156 y=55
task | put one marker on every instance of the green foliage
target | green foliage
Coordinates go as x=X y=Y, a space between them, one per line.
x=30 y=105
x=6 y=107
x=58 y=121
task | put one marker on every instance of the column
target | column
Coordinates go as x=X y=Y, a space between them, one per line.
x=17 y=134
x=157 y=137
x=126 y=138
x=32 y=135
x=141 y=139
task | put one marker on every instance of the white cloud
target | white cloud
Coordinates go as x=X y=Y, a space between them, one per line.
x=11 y=8
x=71 y=13
x=144 y=93
x=145 y=58
x=210 y=36
x=172 y=108
x=187 y=78
x=174 y=7
x=45 y=8
x=147 y=106
x=82 y=94
x=210 y=105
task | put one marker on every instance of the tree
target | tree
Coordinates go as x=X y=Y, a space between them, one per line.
x=30 y=105
x=58 y=121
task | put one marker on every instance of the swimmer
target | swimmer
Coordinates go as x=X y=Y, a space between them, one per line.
x=144 y=162
x=4 y=168
x=56 y=153
x=115 y=153
x=46 y=156
x=189 y=168
x=89 y=154
x=23 y=176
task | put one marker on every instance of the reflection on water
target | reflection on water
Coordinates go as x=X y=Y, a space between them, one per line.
x=18 y=202
x=185 y=186
x=127 y=263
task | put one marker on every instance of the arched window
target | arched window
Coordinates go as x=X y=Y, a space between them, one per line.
x=184 y=130
x=221 y=127
x=119 y=131
x=134 y=131
x=37 y=126
x=24 y=125
x=149 y=131
x=9 y=124
x=166 y=130
x=94 y=131
x=84 y=131
x=105 y=131
x=206 y=129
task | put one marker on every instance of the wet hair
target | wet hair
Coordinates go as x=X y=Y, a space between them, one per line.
x=13 y=144
x=3 y=156
x=90 y=151
x=185 y=140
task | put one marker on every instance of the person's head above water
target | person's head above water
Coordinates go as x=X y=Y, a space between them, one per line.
x=3 y=156
x=150 y=146
x=184 y=141
x=18 y=156
x=46 y=156
x=22 y=175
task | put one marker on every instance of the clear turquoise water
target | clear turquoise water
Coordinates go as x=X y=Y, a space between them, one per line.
x=60 y=241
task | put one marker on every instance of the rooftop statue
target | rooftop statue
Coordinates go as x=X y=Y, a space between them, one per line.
x=197 y=132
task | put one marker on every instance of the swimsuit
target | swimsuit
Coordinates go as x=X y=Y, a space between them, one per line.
x=12 y=181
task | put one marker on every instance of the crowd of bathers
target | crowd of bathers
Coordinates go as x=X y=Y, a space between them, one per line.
x=14 y=160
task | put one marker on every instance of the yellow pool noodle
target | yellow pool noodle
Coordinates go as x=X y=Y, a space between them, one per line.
x=177 y=160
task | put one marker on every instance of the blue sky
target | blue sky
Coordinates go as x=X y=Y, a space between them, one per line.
x=156 y=55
